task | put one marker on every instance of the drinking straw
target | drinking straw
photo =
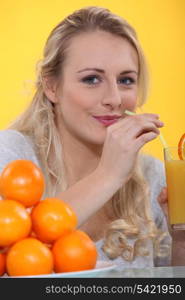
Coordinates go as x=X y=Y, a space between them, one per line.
x=164 y=143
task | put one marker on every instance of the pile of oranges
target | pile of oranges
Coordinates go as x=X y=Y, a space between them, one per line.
x=38 y=236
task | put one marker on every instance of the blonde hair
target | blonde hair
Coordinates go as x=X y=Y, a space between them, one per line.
x=131 y=202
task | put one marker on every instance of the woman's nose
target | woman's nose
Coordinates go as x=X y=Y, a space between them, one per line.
x=112 y=96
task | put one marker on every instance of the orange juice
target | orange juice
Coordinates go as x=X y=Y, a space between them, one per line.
x=175 y=176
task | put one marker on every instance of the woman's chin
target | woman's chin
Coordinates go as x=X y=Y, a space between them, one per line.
x=99 y=141
x=96 y=141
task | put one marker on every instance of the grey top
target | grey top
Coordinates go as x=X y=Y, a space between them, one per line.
x=14 y=145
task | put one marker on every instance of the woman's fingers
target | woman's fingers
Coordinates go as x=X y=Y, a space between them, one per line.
x=163 y=201
x=137 y=124
x=147 y=115
x=123 y=141
x=136 y=120
x=163 y=196
x=145 y=138
x=145 y=128
x=139 y=129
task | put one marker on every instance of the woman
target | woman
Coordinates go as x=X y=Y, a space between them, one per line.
x=77 y=131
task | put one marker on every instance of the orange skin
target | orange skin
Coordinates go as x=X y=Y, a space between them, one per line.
x=23 y=181
x=2 y=263
x=74 y=252
x=15 y=222
x=181 y=147
x=29 y=257
x=52 y=218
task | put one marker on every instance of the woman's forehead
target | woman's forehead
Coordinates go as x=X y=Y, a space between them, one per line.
x=98 y=48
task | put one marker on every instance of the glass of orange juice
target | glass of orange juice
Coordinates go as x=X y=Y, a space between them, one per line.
x=175 y=177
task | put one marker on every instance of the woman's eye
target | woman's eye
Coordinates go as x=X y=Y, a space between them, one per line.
x=91 y=79
x=127 y=80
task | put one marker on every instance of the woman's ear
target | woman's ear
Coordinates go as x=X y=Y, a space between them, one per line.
x=50 y=88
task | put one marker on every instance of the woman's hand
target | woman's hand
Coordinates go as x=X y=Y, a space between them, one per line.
x=163 y=201
x=123 y=141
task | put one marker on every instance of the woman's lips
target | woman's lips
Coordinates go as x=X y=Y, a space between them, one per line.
x=107 y=120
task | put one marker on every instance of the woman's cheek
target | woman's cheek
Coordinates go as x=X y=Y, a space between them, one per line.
x=130 y=102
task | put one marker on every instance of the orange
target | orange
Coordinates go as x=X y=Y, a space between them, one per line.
x=74 y=251
x=181 y=147
x=23 y=181
x=2 y=263
x=51 y=218
x=29 y=257
x=15 y=222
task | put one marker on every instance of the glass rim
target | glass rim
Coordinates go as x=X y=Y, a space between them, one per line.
x=173 y=147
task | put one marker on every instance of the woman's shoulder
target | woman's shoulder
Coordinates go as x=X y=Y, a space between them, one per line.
x=11 y=136
x=15 y=145
x=148 y=162
x=152 y=169
x=15 y=141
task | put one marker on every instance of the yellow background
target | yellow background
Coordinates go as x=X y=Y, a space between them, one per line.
x=160 y=24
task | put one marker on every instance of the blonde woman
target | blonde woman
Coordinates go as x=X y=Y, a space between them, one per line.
x=76 y=130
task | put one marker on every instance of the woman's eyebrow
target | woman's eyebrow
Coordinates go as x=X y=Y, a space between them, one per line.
x=102 y=71
x=128 y=71
x=91 y=69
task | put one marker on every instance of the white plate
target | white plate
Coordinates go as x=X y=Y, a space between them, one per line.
x=101 y=266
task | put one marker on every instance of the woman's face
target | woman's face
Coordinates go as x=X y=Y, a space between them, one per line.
x=99 y=81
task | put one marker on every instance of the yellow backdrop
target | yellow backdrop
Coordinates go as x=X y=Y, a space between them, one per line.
x=26 y=24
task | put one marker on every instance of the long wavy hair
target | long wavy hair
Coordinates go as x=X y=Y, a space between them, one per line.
x=131 y=205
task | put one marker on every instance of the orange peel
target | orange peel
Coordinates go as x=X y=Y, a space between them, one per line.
x=181 y=147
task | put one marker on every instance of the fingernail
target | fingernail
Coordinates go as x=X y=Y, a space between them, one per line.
x=163 y=192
